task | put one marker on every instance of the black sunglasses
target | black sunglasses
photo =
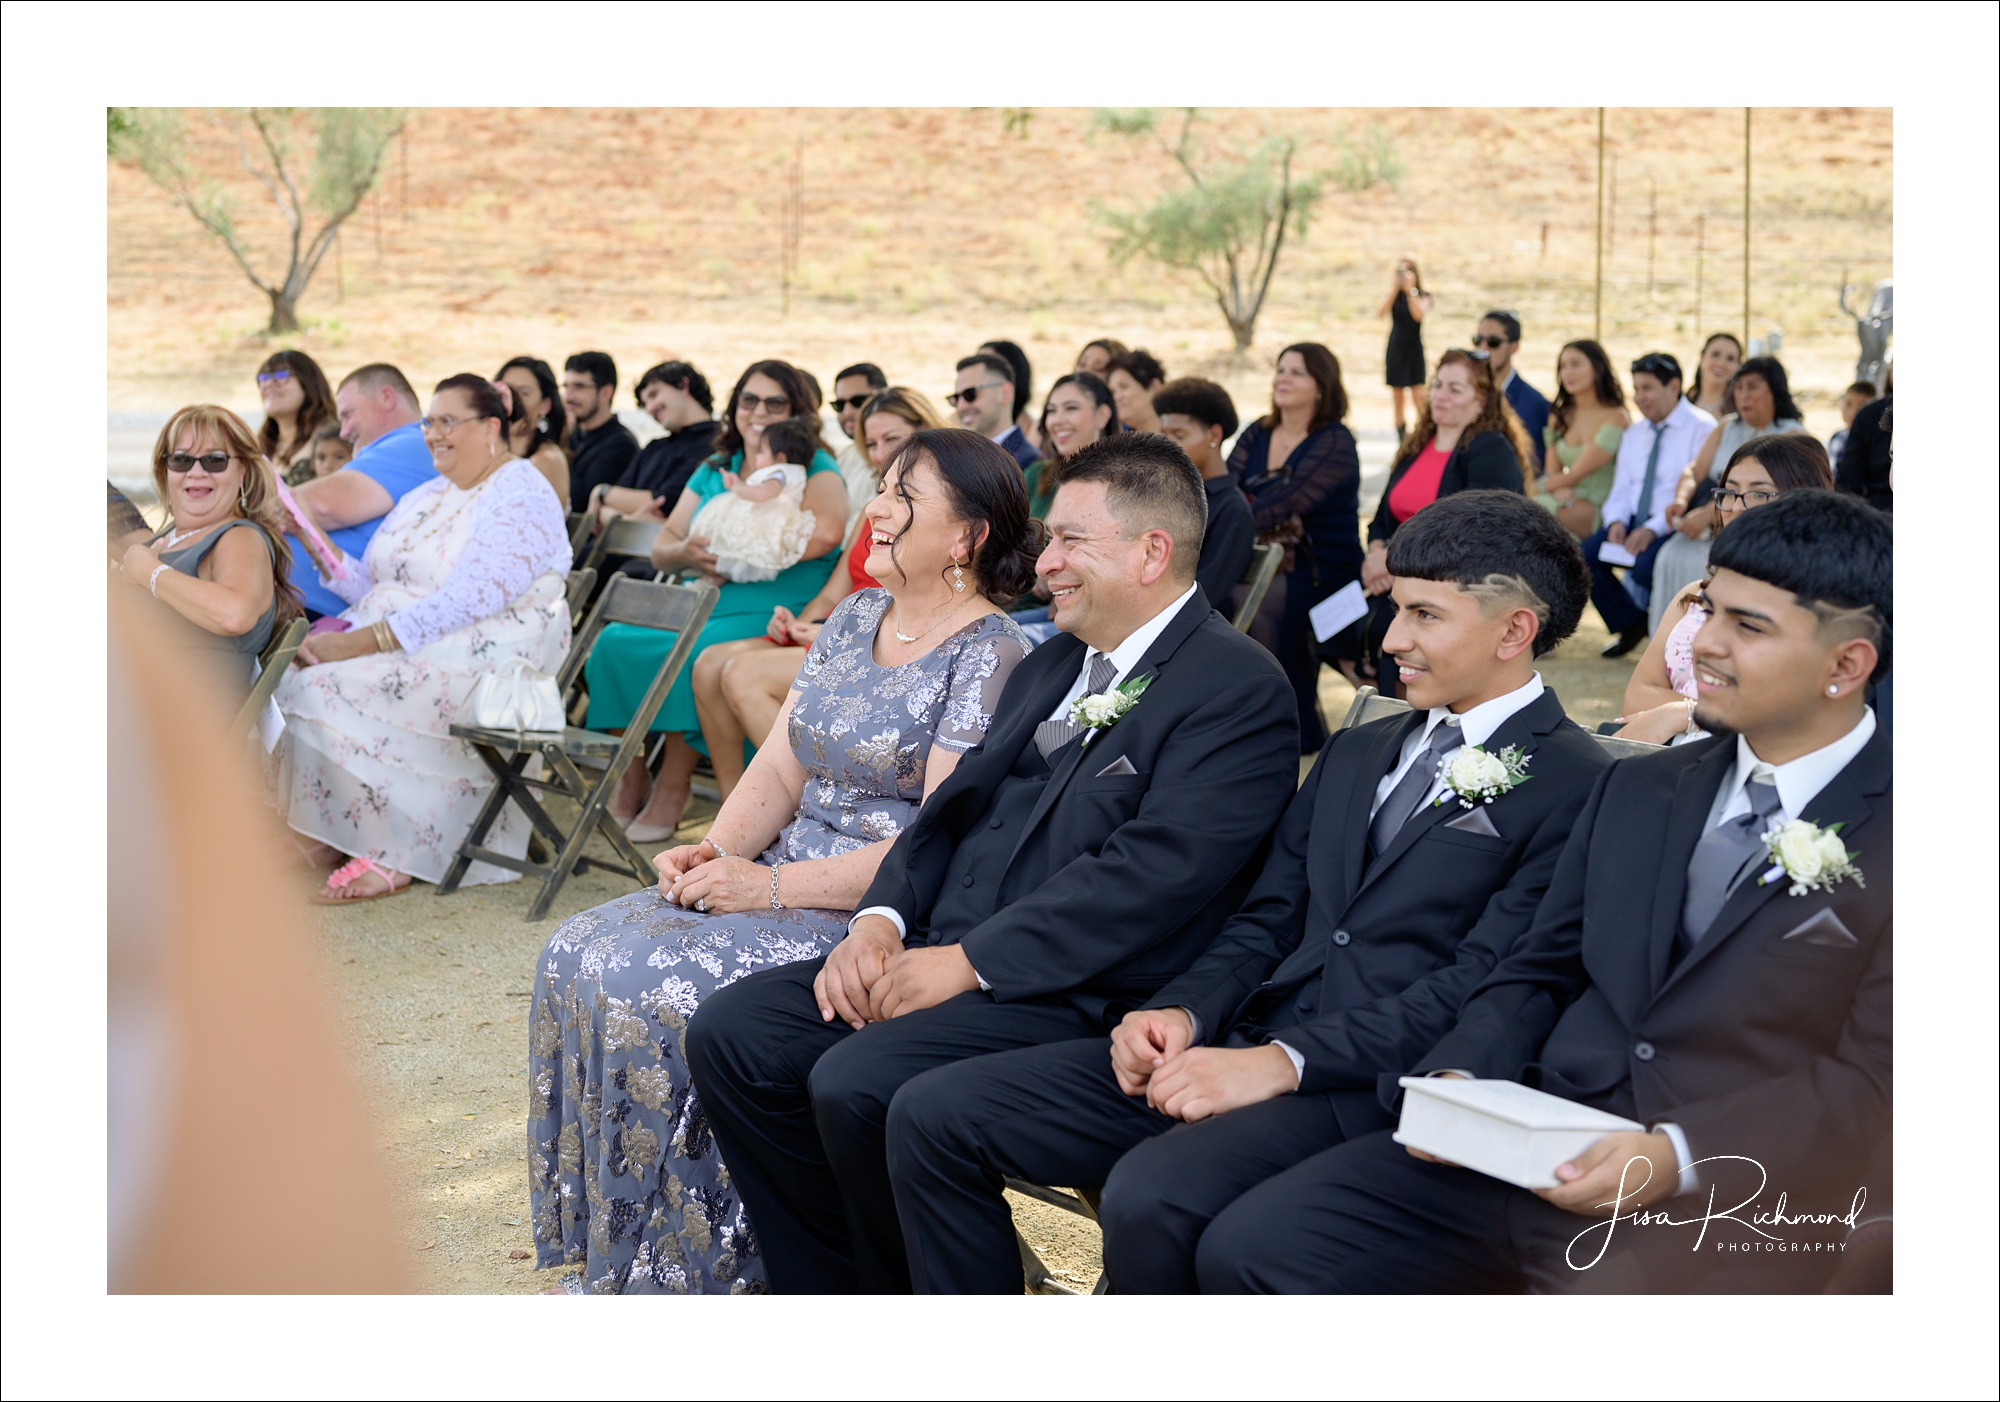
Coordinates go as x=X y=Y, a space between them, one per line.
x=970 y=394
x=1490 y=342
x=214 y=464
x=853 y=401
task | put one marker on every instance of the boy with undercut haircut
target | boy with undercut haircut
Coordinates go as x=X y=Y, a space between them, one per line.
x=1713 y=961
x=1404 y=869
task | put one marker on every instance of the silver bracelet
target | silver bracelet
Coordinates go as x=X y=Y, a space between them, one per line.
x=717 y=846
x=1691 y=729
x=153 y=579
x=776 y=904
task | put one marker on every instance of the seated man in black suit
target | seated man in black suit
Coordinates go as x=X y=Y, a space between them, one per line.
x=1730 y=992
x=1199 y=415
x=1073 y=865
x=1385 y=900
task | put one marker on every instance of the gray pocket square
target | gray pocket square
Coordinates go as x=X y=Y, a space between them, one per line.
x=1120 y=765
x=1475 y=821
x=1826 y=930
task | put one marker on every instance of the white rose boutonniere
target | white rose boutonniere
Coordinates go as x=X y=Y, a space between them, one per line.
x=1102 y=711
x=1474 y=776
x=1813 y=858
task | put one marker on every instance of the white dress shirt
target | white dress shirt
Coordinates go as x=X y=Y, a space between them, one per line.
x=1681 y=435
x=1124 y=657
x=1478 y=725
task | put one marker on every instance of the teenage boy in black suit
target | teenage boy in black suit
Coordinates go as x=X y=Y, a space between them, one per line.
x=1680 y=974
x=1384 y=902
x=1063 y=875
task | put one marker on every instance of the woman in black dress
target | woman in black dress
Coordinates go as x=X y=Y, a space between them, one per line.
x=1405 y=306
x=1299 y=467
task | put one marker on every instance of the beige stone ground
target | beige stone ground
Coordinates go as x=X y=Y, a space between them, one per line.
x=436 y=1001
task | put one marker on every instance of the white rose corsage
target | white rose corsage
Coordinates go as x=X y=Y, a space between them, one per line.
x=1475 y=776
x=1813 y=858
x=1102 y=711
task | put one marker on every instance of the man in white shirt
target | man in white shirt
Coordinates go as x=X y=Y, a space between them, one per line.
x=1651 y=457
x=1714 y=961
x=1074 y=862
x=852 y=388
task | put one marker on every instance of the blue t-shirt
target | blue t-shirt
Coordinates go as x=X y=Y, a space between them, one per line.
x=397 y=461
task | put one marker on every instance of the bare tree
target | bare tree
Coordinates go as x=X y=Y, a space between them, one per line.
x=1229 y=224
x=347 y=148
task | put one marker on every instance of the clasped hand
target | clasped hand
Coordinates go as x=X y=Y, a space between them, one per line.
x=1151 y=1056
x=871 y=977
x=699 y=877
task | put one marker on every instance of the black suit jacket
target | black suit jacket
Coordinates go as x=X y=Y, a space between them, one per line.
x=1019 y=448
x=1770 y=1039
x=1142 y=868
x=1361 y=967
x=1865 y=458
x=1487 y=460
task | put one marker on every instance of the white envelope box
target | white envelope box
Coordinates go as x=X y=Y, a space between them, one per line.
x=1501 y=1128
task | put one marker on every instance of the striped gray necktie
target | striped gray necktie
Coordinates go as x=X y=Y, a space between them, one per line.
x=1052 y=735
x=1722 y=859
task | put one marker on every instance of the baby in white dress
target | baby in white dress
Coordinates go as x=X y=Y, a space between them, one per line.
x=760 y=525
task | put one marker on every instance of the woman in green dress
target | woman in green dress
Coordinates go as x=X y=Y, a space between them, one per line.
x=626 y=659
x=1586 y=424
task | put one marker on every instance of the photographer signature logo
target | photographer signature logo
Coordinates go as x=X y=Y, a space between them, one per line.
x=1762 y=1223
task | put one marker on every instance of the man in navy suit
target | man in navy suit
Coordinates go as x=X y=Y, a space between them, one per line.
x=1500 y=336
x=1075 y=863
x=1687 y=971
x=985 y=403
x=1385 y=900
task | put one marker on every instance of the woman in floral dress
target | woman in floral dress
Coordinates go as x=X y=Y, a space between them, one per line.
x=625 y=1178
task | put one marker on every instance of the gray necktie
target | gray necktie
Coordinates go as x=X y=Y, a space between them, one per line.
x=1052 y=735
x=1722 y=857
x=1645 y=511
x=1416 y=782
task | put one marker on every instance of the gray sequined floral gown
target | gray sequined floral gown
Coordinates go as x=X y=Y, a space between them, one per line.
x=625 y=1177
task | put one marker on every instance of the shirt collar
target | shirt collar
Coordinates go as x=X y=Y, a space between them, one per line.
x=1800 y=780
x=1512 y=375
x=1479 y=723
x=1003 y=434
x=1127 y=654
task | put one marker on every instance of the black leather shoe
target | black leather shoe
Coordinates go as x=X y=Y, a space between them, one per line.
x=1626 y=641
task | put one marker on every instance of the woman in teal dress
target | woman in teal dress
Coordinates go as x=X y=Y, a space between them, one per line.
x=626 y=659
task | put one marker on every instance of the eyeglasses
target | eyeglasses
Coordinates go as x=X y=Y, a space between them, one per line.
x=775 y=403
x=970 y=394
x=273 y=377
x=853 y=401
x=214 y=464
x=1732 y=500
x=1490 y=342
x=444 y=423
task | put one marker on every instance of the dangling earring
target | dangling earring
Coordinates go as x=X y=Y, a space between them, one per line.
x=542 y=424
x=958 y=576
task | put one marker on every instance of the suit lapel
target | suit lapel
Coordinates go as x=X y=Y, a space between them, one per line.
x=1190 y=617
x=1844 y=800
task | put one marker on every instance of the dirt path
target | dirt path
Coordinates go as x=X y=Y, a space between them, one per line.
x=437 y=993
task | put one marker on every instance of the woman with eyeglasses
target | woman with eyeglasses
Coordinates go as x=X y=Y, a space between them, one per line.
x=222 y=590
x=298 y=403
x=625 y=659
x=1659 y=700
x=1406 y=306
x=464 y=578
x=1586 y=424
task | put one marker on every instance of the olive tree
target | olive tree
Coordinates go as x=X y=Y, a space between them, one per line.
x=1229 y=223
x=345 y=150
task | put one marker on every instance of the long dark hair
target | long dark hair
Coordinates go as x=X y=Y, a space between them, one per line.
x=1496 y=415
x=1795 y=461
x=1609 y=392
x=553 y=426
x=315 y=413
x=1694 y=390
x=1324 y=366
x=1767 y=368
x=1091 y=385
x=799 y=395
x=984 y=488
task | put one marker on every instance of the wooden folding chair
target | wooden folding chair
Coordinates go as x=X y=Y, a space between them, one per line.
x=621 y=540
x=275 y=659
x=1372 y=705
x=578 y=524
x=1264 y=561
x=671 y=608
x=581 y=582
x=1035 y=1271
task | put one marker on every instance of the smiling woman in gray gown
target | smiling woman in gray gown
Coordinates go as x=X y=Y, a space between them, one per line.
x=625 y=1178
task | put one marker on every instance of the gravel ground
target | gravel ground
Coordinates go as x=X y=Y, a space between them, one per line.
x=436 y=1005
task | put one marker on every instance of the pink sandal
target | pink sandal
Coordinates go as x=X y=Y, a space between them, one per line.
x=352 y=872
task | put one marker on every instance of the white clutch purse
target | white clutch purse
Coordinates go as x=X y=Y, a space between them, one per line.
x=514 y=696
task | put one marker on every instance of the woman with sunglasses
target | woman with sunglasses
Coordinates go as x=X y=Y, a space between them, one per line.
x=464 y=579
x=298 y=403
x=625 y=659
x=223 y=591
x=1659 y=700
